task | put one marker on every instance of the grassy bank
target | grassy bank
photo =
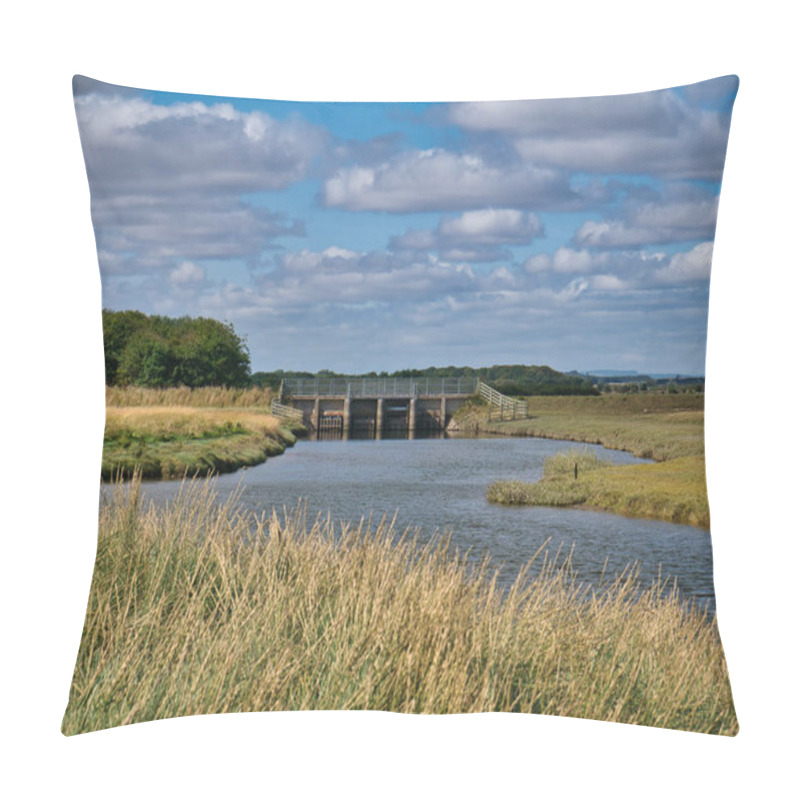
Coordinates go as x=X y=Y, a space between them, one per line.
x=674 y=490
x=199 y=609
x=653 y=425
x=171 y=432
x=665 y=427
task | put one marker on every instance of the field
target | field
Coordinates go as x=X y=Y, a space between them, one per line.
x=665 y=427
x=172 y=432
x=199 y=608
x=649 y=425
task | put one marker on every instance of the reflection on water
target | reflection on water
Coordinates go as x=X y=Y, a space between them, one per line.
x=439 y=484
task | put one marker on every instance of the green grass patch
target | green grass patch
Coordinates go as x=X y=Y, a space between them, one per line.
x=202 y=608
x=170 y=442
x=649 y=425
x=674 y=490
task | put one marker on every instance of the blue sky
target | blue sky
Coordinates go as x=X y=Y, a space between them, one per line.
x=365 y=236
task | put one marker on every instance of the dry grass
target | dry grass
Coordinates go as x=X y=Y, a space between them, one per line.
x=665 y=427
x=203 y=396
x=649 y=425
x=674 y=490
x=199 y=608
x=169 y=442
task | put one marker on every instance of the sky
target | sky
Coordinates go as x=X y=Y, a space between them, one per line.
x=575 y=233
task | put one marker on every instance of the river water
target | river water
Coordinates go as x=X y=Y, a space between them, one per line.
x=439 y=484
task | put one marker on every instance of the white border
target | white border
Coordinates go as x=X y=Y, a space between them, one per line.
x=53 y=400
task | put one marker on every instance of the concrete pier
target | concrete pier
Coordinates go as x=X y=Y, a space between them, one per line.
x=375 y=407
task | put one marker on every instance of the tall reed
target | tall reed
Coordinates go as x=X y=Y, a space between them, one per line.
x=201 y=396
x=202 y=608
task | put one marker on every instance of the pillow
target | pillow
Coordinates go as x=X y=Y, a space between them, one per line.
x=304 y=507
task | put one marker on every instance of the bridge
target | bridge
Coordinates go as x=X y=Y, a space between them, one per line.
x=374 y=406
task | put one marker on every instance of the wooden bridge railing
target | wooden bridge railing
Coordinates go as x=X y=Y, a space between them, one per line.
x=501 y=406
x=287 y=412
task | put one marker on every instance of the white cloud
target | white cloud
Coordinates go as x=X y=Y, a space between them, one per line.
x=573 y=289
x=694 y=265
x=652 y=223
x=541 y=262
x=608 y=283
x=492 y=226
x=187 y=273
x=332 y=259
x=167 y=180
x=657 y=133
x=474 y=235
x=438 y=180
x=567 y=260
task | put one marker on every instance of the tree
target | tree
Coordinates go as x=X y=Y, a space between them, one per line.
x=161 y=351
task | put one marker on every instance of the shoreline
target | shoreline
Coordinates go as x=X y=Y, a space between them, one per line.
x=168 y=443
x=672 y=487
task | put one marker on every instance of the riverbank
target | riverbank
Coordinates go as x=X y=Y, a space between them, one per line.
x=170 y=433
x=667 y=428
x=673 y=490
x=323 y=617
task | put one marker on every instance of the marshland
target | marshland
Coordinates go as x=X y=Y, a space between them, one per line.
x=259 y=590
x=199 y=607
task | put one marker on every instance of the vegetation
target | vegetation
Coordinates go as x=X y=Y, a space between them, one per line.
x=169 y=442
x=650 y=425
x=666 y=427
x=155 y=351
x=200 y=608
x=167 y=433
x=509 y=378
x=204 y=397
x=674 y=490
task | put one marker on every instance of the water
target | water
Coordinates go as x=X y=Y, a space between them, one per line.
x=440 y=484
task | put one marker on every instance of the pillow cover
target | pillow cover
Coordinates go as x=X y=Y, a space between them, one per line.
x=278 y=280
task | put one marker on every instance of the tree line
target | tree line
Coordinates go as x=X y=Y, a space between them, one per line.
x=156 y=351
x=510 y=379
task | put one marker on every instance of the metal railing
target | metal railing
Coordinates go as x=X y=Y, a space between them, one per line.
x=378 y=387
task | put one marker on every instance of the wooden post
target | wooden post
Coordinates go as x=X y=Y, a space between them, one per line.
x=379 y=419
x=412 y=417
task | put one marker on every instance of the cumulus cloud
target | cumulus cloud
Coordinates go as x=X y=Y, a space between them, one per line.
x=694 y=265
x=652 y=223
x=474 y=235
x=134 y=146
x=168 y=180
x=187 y=273
x=146 y=233
x=657 y=133
x=492 y=226
x=627 y=270
x=564 y=260
x=176 y=187
x=439 y=180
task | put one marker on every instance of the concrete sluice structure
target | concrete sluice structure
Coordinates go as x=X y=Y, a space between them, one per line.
x=373 y=408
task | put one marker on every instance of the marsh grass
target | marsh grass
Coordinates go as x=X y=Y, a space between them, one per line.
x=673 y=490
x=201 y=608
x=171 y=441
x=201 y=396
x=667 y=428
x=649 y=425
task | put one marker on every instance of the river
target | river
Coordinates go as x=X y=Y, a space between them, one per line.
x=439 y=484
